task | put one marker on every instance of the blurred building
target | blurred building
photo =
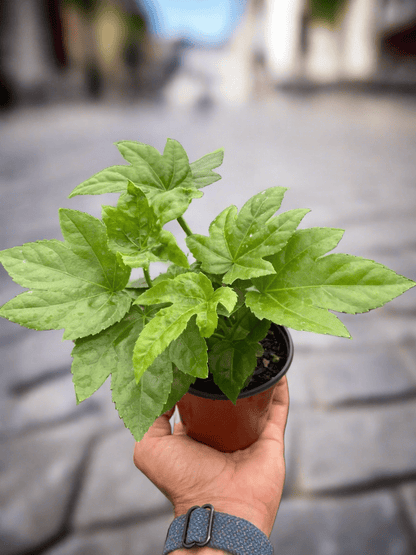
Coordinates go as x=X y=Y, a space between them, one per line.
x=328 y=41
x=64 y=49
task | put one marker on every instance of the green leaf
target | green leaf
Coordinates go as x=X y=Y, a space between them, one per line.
x=237 y=245
x=234 y=349
x=169 y=250
x=243 y=324
x=179 y=387
x=202 y=173
x=110 y=352
x=172 y=271
x=86 y=236
x=149 y=168
x=166 y=179
x=136 y=233
x=77 y=285
x=165 y=171
x=189 y=352
x=95 y=357
x=307 y=284
x=139 y=404
x=231 y=363
x=111 y=180
x=190 y=294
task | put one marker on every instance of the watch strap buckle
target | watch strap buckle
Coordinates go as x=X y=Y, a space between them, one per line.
x=208 y=536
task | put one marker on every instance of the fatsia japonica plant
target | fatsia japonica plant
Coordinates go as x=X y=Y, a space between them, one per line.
x=155 y=337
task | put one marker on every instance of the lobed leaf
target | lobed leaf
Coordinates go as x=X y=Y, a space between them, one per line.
x=166 y=179
x=307 y=284
x=80 y=313
x=237 y=244
x=180 y=385
x=202 y=173
x=189 y=352
x=95 y=357
x=77 y=285
x=234 y=349
x=190 y=294
x=231 y=363
x=135 y=232
x=139 y=404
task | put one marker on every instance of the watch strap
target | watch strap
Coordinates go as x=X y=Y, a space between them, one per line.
x=203 y=526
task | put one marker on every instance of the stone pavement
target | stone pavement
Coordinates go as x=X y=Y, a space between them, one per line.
x=68 y=484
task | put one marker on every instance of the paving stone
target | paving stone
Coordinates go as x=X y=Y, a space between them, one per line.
x=351 y=447
x=37 y=478
x=407 y=351
x=54 y=401
x=408 y=495
x=364 y=524
x=297 y=377
x=147 y=538
x=114 y=488
x=337 y=154
x=50 y=401
x=358 y=374
x=36 y=354
x=294 y=423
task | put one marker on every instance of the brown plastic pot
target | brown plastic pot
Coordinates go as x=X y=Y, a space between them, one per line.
x=211 y=418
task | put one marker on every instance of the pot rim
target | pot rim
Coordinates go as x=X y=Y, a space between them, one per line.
x=284 y=333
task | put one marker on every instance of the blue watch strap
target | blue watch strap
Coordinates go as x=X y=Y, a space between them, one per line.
x=203 y=526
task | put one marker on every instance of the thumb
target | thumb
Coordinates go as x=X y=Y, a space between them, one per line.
x=161 y=426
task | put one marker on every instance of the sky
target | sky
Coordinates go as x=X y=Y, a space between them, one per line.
x=203 y=22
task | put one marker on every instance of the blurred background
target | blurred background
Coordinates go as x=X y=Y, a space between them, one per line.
x=314 y=95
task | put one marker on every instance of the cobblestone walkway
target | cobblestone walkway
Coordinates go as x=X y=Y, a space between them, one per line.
x=68 y=485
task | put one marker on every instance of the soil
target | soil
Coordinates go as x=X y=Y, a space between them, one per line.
x=269 y=364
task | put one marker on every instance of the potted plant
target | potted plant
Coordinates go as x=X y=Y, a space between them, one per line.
x=205 y=332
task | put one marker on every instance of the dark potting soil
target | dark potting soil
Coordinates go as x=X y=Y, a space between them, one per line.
x=271 y=362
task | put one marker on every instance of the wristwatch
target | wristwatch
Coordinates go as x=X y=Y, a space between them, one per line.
x=203 y=526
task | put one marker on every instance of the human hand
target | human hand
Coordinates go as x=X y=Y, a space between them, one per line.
x=247 y=483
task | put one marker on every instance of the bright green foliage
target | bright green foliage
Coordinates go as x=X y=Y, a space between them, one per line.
x=95 y=357
x=237 y=245
x=110 y=352
x=155 y=338
x=136 y=232
x=189 y=352
x=179 y=387
x=190 y=294
x=307 y=284
x=234 y=348
x=139 y=404
x=202 y=173
x=167 y=180
x=77 y=285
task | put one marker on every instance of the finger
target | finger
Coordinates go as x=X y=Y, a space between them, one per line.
x=161 y=426
x=281 y=393
x=279 y=407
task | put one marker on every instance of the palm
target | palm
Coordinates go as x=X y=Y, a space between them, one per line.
x=190 y=473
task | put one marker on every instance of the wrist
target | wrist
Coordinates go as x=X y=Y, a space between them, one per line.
x=260 y=518
x=204 y=530
x=198 y=551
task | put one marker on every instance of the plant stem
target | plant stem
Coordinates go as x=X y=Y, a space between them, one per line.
x=184 y=226
x=147 y=277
